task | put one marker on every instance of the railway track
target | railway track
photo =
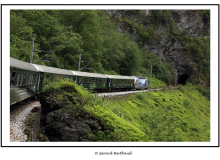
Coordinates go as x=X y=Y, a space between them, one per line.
x=18 y=116
x=109 y=94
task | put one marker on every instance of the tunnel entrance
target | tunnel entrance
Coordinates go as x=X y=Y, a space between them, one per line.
x=183 y=78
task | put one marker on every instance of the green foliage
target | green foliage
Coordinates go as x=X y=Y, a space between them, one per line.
x=131 y=24
x=155 y=83
x=165 y=18
x=205 y=92
x=206 y=15
x=199 y=50
x=168 y=115
x=147 y=35
x=159 y=69
x=70 y=32
x=21 y=36
x=94 y=35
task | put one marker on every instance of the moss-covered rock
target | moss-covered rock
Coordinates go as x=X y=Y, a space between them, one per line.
x=63 y=118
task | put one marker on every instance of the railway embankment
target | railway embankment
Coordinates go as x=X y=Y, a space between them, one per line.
x=70 y=113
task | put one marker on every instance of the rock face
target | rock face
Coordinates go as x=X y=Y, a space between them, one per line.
x=62 y=123
x=168 y=48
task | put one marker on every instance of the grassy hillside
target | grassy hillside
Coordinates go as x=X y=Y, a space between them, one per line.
x=168 y=115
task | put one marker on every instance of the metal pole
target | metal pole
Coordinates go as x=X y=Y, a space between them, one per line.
x=32 y=50
x=151 y=77
x=79 y=62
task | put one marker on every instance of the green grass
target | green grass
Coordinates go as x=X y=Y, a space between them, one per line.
x=168 y=115
x=161 y=116
x=156 y=83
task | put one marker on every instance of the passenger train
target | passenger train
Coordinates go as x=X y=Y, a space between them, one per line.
x=27 y=79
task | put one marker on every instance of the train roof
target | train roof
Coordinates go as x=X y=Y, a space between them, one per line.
x=120 y=77
x=22 y=65
x=52 y=70
x=88 y=74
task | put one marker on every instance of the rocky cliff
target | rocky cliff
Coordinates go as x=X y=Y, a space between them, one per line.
x=63 y=119
x=170 y=28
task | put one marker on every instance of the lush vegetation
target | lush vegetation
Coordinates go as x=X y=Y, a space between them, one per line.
x=199 y=50
x=88 y=32
x=149 y=32
x=94 y=35
x=168 y=115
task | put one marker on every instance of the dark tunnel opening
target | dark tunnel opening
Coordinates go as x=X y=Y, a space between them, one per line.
x=183 y=78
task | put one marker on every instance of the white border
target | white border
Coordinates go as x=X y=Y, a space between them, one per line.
x=5 y=81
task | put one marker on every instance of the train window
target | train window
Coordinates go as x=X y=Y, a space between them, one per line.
x=46 y=78
x=51 y=78
x=29 y=79
x=34 y=78
x=56 y=77
x=21 y=80
x=13 y=74
x=24 y=82
x=18 y=79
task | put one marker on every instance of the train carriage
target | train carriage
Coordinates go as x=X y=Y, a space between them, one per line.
x=27 y=79
x=91 y=80
x=24 y=80
x=120 y=82
x=51 y=74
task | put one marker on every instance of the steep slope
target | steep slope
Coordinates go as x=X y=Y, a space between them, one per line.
x=177 y=37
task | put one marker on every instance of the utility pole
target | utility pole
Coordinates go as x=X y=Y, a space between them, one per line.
x=32 y=50
x=79 y=62
x=79 y=68
x=151 y=77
